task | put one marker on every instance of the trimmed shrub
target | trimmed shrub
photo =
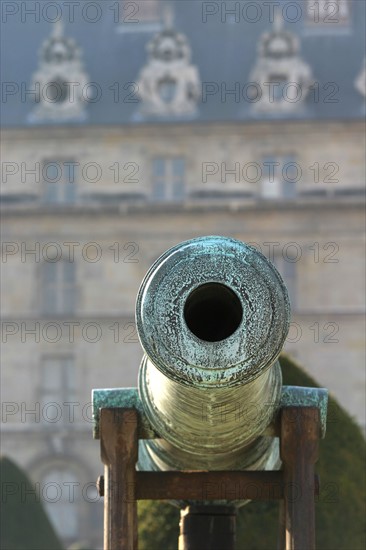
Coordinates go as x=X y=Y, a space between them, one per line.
x=340 y=507
x=24 y=522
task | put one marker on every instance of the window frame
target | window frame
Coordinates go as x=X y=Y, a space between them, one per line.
x=60 y=287
x=64 y=196
x=65 y=390
x=279 y=182
x=169 y=179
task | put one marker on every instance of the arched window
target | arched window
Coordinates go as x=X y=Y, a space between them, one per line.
x=60 y=491
x=66 y=488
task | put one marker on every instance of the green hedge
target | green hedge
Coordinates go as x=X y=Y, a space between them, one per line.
x=24 y=522
x=340 y=510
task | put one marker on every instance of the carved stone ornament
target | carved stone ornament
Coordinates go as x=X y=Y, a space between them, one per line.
x=360 y=82
x=60 y=81
x=169 y=85
x=281 y=78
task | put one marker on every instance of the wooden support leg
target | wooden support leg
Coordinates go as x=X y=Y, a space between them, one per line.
x=281 y=540
x=204 y=527
x=299 y=451
x=119 y=450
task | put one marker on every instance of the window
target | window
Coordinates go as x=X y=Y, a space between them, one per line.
x=59 y=181
x=279 y=177
x=57 y=386
x=60 y=490
x=328 y=12
x=168 y=179
x=147 y=11
x=277 y=87
x=58 y=91
x=58 y=287
x=135 y=15
x=167 y=89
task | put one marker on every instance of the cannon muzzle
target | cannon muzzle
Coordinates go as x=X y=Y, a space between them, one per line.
x=212 y=316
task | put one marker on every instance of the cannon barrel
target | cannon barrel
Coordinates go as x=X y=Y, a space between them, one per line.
x=212 y=315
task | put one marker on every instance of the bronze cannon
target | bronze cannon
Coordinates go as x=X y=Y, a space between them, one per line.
x=212 y=315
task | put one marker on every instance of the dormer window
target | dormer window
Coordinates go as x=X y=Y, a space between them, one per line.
x=169 y=84
x=282 y=76
x=60 y=79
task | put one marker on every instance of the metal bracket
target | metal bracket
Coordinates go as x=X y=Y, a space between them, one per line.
x=128 y=398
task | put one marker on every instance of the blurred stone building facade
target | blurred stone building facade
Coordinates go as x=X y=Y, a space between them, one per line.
x=138 y=130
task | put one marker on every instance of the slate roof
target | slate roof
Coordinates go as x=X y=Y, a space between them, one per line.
x=225 y=53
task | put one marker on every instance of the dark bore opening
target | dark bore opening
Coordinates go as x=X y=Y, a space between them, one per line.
x=213 y=312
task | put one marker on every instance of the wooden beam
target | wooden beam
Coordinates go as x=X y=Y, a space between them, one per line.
x=219 y=485
x=119 y=451
x=300 y=431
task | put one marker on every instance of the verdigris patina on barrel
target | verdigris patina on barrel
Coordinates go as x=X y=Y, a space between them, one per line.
x=212 y=316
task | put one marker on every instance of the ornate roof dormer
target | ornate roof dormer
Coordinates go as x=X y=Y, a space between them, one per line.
x=360 y=82
x=169 y=85
x=60 y=80
x=282 y=78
